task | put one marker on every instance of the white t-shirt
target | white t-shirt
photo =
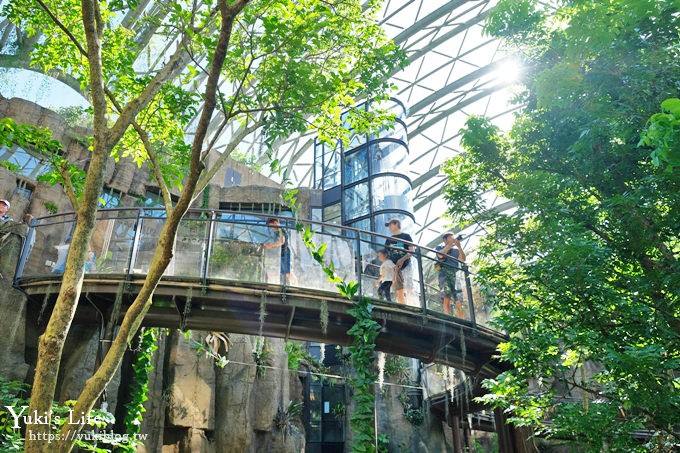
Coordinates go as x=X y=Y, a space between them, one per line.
x=387 y=271
x=62 y=252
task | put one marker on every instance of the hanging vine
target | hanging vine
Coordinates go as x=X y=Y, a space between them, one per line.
x=364 y=333
x=139 y=386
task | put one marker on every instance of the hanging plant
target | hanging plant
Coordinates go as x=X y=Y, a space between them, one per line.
x=139 y=385
x=215 y=340
x=381 y=369
x=323 y=316
x=361 y=352
x=262 y=356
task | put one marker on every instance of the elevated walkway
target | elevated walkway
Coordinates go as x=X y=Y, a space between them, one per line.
x=224 y=275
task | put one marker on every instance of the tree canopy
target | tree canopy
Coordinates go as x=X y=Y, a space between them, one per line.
x=583 y=273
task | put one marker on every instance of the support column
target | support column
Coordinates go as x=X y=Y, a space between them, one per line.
x=454 y=422
x=510 y=438
x=504 y=442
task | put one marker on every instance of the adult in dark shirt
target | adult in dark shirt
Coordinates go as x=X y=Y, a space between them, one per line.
x=280 y=240
x=449 y=257
x=400 y=254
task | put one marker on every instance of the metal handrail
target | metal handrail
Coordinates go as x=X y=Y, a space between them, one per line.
x=252 y=214
x=212 y=217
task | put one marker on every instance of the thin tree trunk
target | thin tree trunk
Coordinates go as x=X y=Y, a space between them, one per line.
x=51 y=343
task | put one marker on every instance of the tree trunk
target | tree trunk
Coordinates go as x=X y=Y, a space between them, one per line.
x=51 y=343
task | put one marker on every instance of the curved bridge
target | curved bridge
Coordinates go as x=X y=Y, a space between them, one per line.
x=295 y=314
x=226 y=273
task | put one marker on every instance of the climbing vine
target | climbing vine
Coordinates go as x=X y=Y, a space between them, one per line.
x=364 y=333
x=139 y=386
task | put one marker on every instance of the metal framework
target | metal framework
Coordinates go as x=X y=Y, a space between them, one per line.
x=453 y=71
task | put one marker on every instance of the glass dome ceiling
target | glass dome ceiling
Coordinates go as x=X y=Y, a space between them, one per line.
x=453 y=71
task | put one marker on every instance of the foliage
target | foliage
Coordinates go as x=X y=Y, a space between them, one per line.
x=210 y=346
x=364 y=333
x=241 y=259
x=298 y=356
x=414 y=415
x=51 y=207
x=139 y=384
x=284 y=419
x=383 y=443
x=262 y=356
x=584 y=271
x=42 y=142
x=339 y=410
x=397 y=367
x=215 y=340
x=249 y=160
x=75 y=116
x=14 y=394
x=11 y=166
x=662 y=134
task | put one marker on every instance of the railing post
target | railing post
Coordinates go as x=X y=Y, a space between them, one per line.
x=468 y=288
x=135 y=242
x=359 y=260
x=421 y=279
x=208 y=249
x=26 y=246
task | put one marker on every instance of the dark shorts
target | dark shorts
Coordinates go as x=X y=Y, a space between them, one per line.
x=447 y=285
x=285 y=261
x=384 y=290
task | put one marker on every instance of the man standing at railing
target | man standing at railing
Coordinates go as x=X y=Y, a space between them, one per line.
x=280 y=240
x=400 y=254
x=449 y=258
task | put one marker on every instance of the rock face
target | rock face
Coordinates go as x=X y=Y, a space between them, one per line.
x=12 y=305
x=428 y=437
x=195 y=406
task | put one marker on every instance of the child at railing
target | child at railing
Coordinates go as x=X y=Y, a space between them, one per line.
x=384 y=283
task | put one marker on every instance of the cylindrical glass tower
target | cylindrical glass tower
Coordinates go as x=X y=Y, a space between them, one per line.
x=366 y=183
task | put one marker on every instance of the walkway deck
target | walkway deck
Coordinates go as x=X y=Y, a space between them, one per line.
x=232 y=307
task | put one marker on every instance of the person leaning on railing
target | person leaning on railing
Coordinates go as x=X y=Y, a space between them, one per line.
x=449 y=258
x=281 y=240
x=400 y=254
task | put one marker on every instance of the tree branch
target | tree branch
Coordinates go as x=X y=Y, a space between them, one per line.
x=164 y=250
x=156 y=166
x=242 y=133
x=68 y=185
x=63 y=28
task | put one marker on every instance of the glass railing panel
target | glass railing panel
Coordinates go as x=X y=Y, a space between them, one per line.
x=238 y=251
x=112 y=240
x=149 y=231
x=483 y=309
x=374 y=258
x=307 y=273
x=47 y=246
x=191 y=246
x=241 y=247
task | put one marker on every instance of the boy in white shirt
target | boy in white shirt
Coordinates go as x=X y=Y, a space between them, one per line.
x=384 y=283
